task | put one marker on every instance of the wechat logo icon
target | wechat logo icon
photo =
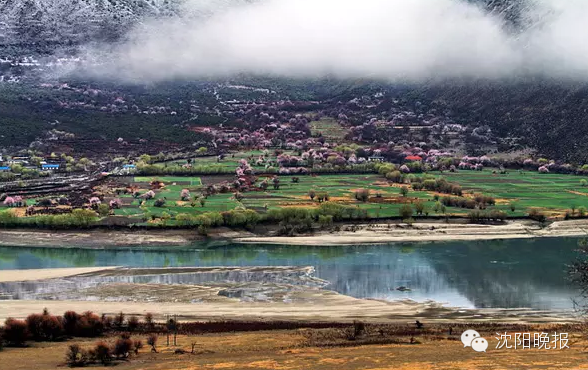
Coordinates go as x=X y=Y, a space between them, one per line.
x=471 y=338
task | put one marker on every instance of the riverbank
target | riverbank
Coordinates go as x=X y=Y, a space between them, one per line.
x=430 y=232
x=42 y=274
x=96 y=238
x=279 y=293
x=330 y=307
x=348 y=235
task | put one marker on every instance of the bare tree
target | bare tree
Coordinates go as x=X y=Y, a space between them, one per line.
x=578 y=274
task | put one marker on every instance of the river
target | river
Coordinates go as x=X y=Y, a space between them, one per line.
x=523 y=273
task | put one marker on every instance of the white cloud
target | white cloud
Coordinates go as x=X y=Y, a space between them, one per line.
x=389 y=39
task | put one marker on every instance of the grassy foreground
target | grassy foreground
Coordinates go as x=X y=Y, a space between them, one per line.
x=321 y=349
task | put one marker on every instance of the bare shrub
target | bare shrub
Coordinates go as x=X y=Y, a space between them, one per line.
x=536 y=215
x=119 y=320
x=358 y=328
x=89 y=325
x=137 y=345
x=52 y=327
x=101 y=353
x=133 y=323
x=123 y=346
x=34 y=326
x=45 y=327
x=15 y=332
x=70 y=322
x=152 y=341
x=362 y=195
x=106 y=322
x=76 y=356
x=149 y=321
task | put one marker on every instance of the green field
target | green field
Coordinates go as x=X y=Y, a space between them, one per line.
x=328 y=128
x=340 y=188
x=171 y=192
x=385 y=200
x=527 y=189
x=192 y=181
x=555 y=194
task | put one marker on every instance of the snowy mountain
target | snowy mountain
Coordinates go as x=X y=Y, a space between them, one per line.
x=74 y=21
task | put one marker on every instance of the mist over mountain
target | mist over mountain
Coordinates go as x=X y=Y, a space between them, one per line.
x=396 y=40
x=516 y=66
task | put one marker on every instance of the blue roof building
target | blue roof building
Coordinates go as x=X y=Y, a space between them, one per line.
x=4 y=168
x=50 y=167
x=129 y=166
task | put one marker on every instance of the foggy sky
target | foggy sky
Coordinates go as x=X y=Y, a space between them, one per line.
x=396 y=40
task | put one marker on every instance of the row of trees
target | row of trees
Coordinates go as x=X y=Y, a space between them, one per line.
x=47 y=327
x=214 y=169
x=418 y=183
x=161 y=157
x=299 y=220
x=419 y=208
x=439 y=185
x=478 y=215
x=78 y=218
x=246 y=218
x=176 y=170
x=480 y=201
x=407 y=211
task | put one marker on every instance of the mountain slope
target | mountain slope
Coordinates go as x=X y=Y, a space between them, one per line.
x=30 y=21
x=66 y=21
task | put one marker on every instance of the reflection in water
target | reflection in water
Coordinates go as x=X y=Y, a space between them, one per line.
x=506 y=274
x=246 y=279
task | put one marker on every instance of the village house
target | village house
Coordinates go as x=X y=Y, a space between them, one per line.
x=50 y=167
x=19 y=160
x=128 y=169
x=376 y=158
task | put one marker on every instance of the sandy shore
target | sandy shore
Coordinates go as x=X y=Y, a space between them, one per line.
x=297 y=296
x=330 y=308
x=363 y=234
x=428 y=232
x=41 y=274
x=95 y=238
x=198 y=302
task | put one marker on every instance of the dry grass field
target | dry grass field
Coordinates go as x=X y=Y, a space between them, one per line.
x=321 y=349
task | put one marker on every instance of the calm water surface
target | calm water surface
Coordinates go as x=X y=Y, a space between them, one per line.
x=490 y=274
